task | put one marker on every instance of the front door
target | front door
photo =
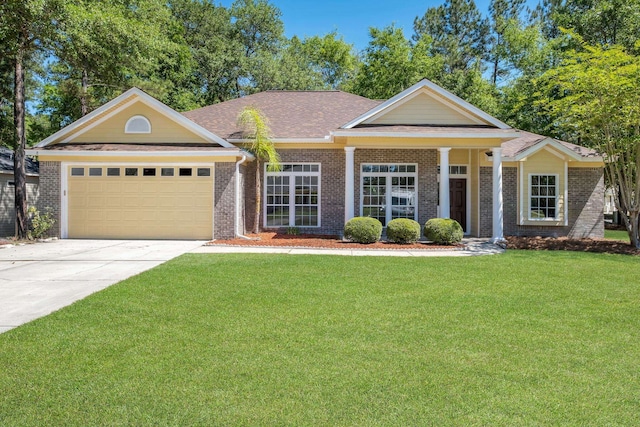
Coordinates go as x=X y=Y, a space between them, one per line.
x=458 y=200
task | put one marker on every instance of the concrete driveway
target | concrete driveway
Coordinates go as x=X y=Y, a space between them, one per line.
x=37 y=279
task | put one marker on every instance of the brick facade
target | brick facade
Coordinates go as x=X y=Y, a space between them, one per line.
x=585 y=199
x=50 y=198
x=224 y=201
x=427 y=161
x=331 y=189
x=486 y=201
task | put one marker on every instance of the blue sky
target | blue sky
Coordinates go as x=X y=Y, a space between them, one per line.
x=352 y=19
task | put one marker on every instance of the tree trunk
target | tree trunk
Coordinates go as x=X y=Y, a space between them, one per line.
x=19 y=174
x=84 y=108
x=256 y=222
x=633 y=229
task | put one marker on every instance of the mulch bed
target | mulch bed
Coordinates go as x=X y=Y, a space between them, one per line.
x=333 y=242
x=322 y=241
x=565 y=244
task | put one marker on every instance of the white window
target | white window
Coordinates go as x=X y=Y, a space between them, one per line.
x=389 y=191
x=543 y=197
x=292 y=196
x=137 y=124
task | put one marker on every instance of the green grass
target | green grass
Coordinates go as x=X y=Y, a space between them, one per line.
x=525 y=338
x=621 y=235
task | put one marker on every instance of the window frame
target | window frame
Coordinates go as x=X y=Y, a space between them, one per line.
x=292 y=194
x=530 y=217
x=388 y=194
x=134 y=118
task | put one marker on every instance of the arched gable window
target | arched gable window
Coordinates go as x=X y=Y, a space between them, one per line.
x=137 y=124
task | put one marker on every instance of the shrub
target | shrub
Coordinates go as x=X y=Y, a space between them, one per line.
x=363 y=230
x=443 y=231
x=39 y=223
x=403 y=230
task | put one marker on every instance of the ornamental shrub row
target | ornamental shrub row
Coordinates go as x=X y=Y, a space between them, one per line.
x=403 y=230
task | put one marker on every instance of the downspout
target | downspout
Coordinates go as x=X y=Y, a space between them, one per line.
x=236 y=222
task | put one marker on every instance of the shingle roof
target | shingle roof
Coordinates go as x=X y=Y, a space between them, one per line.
x=6 y=162
x=291 y=114
x=527 y=140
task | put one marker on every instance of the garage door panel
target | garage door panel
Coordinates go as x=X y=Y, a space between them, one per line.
x=157 y=207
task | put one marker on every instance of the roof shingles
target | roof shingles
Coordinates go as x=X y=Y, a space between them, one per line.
x=291 y=114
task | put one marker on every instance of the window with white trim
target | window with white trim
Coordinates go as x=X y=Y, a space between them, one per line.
x=543 y=197
x=137 y=124
x=389 y=191
x=292 y=196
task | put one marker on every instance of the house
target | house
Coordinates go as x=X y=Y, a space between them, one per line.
x=7 y=190
x=135 y=168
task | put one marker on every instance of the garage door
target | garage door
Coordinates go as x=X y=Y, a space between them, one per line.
x=151 y=202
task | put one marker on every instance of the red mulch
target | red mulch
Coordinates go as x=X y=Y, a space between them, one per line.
x=333 y=242
x=565 y=244
x=322 y=241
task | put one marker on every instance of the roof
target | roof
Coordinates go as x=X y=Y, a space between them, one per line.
x=6 y=162
x=291 y=114
x=528 y=141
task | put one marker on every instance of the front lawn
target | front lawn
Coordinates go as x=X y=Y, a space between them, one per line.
x=525 y=338
x=621 y=235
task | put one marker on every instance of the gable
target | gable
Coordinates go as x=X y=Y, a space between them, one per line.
x=435 y=106
x=112 y=128
x=424 y=109
x=134 y=117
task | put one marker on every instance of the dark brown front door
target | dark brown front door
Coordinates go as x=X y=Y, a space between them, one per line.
x=458 y=200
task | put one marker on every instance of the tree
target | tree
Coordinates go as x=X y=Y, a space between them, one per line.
x=595 y=94
x=26 y=26
x=330 y=57
x=256 y=129
x=458 y=33
x=504 y=14
x=389 y=65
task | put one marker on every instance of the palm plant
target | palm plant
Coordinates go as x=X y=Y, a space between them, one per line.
x=256 y=130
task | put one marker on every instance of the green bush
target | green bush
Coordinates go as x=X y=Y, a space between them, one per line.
x=403 y=230
x=444 y=231
x=39 y=223
x=363 y=230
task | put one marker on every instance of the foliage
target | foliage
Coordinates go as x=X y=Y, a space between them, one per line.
x=458 y=32
x=444 y=231
x=363 y=230
x=233 y=339
x=256 y=130
x=403 y=230
x=593 y=99
x=39 y=223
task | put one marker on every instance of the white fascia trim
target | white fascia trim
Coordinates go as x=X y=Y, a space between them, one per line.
x=235 y=153
x=99 y=121
x=70 y=128
x=499 y=135
x=326 y=139
x=556 y=145
x=437 y=89
x=144 y=98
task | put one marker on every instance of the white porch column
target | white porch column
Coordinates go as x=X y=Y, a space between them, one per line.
x=349 y=177
x=445 y=206
x=497 y=196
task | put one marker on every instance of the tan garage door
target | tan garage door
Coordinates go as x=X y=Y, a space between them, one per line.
x=153 y=202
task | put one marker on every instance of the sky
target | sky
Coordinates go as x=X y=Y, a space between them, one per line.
x=352 y=18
